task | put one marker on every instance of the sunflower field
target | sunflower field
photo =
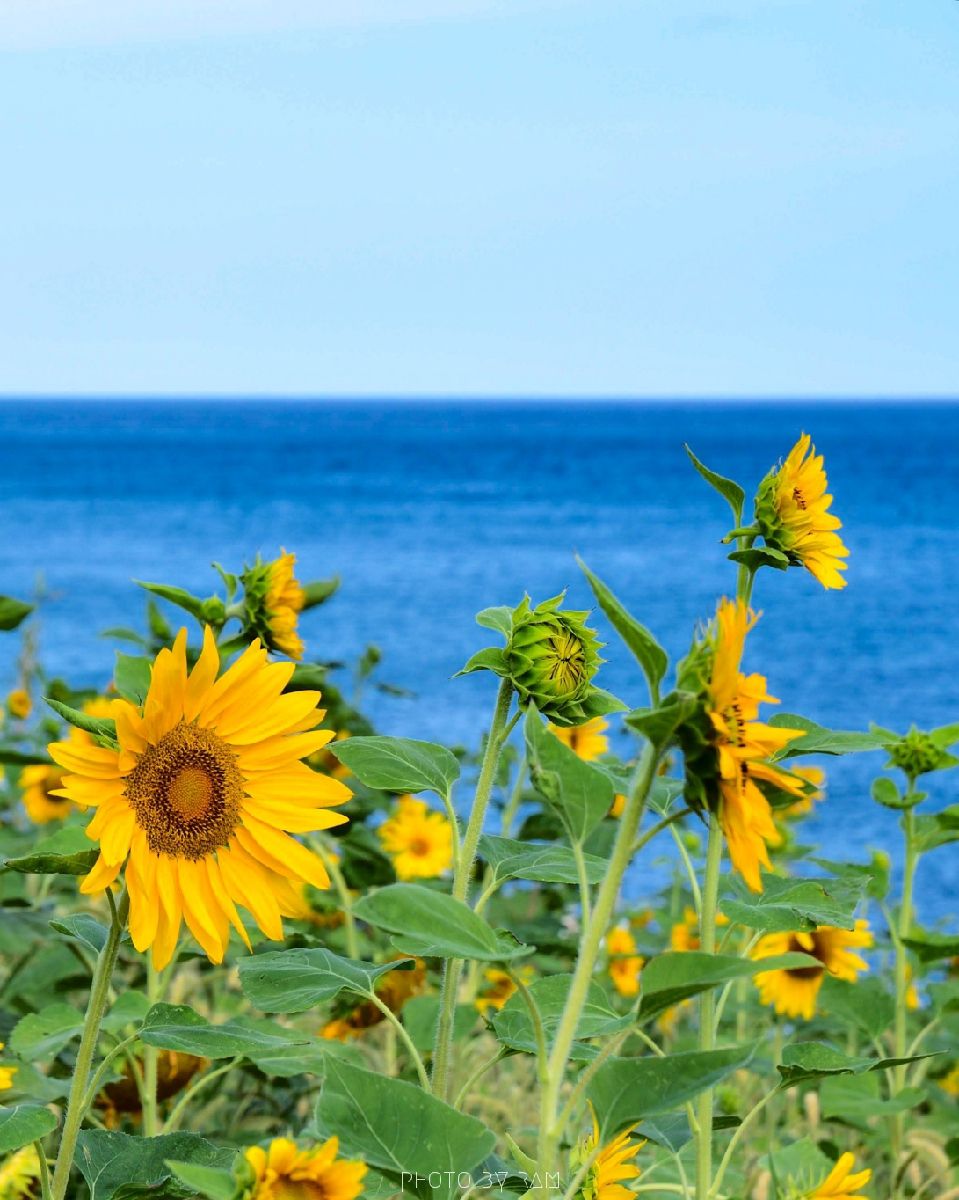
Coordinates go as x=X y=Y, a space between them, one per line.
x=250 y=949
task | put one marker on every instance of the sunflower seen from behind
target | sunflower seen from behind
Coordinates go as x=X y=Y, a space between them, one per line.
x=200 y=796
x=792 y=514
x=794 y=992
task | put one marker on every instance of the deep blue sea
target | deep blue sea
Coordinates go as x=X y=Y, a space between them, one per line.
x=431 y=511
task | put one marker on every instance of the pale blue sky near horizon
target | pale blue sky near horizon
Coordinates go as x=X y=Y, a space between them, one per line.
x=480 y=197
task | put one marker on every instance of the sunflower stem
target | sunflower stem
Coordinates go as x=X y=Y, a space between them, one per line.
x=150 y=1057
x=44 y=1171
x=707 y=1006
x=590 y=943
x=96 y=1005
x=515 y=799
x=343 y=893
x=462 y=875
x=902 y=931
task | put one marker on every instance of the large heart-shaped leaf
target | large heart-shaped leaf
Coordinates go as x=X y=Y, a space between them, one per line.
x=673 y=977
x=580 y=793
x=787 y=905
x=398 y=764
x=549 y=863
x=803 y=1061
x=513 y=1024
x=23 y=1124
x=295 y=980
x=116 y=1165
x=45 y=1033
x=178 y=1027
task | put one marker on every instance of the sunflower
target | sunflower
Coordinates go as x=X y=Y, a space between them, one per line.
x=285 y=1172
x=840 y=1182
x=200 y=795
x=743 y=746
x=419 y=841
x=685 y=934
x=6 y=1076
x=284 y=603
x=624 y=963
x=815 y=779
x=499 y=987
x=19 y=704
x=394 y=989
x=588 y=740
x=793 y=992
x=792 y=514
x=41 y=795
x=950 y=1082
x=122 y=1096
x=612 y=1167
x=20 y=1175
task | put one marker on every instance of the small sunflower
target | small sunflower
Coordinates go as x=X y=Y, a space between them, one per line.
x=613 y=1167
x=42 y=798
x=419 y=841
x=792 y=514
x=793 y=992
x=19 y=704
x=624 y=963
x=950 y=1082
x=499 y=987
x=685 y=934
x=840 y=1182
x=6 y=1076
x=588 y=740
x=728 y=751
x=200 y=796
x=20 y=1175
x=815 y=779
x=285 y=1172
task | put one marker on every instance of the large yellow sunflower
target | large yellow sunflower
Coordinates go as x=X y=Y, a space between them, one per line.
x=20 y=1175
x=793 y=993
x=743 y=746
x=624 y=963
x=588 y=740
x=285 y=1172
x=614 y=1166
x=201 y=795
x=840 y=1182
x=792 y=514
x=419 y=841
x=283 y=604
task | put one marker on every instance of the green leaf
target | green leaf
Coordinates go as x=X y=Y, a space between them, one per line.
x=659 y=724
x=626 y=1090
x=23 y=1124
x=82 y=928
x=66 y=852
x=499 y=618
x=550 y=863
x=420 y=1016
x=856 y=1099
x=213 y=1183
x=672 y=977
x=12 y=612
x=513 y=1025
x=760 y=556
x=99 y=727
x=937 y=829
x=131 y=676
x=491 y=659
x=398 y=764
x=130 y=1008
x=45 y=1033
x=178 y=596
x=580 y=793
x=642 y=645
x=433 y=925
x=397 y=1127
x=804 y=1061
x=296 y=980
x=933 y=947
x=817 y=739
x=116 y=1165
x=13 y=757
x=177 y=1027
x=319 y=591
x=788 y=905
x=731 y=492
x=865 y=1004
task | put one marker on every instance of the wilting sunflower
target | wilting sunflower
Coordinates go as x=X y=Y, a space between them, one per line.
x=624 y=963
x=793 y=992
x=41 y=795
x=285 y=1172
x=588 y=740
x=419 y=841
x=737 y=758
x=792 y=514
x=614 y=1165
x=19 y=704
x=201 y=795
x=499 y=987
x=6 y=1076
x=20 y=1175
x=840 y=1182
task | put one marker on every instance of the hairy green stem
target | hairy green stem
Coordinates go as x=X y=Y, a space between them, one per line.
x=343 y=893
x=150 y=1058
x=902 y=931
x=44 y=1171
x=402 y=1033
x=462 y=875
x=196 y=1086
x=737 y=1137
x=516 y=796
x=96 y=1005
x=592 y=937
x=707 y=1006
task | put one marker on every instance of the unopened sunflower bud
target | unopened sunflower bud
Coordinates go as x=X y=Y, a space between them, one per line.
x=551 y=657
x=916 y=753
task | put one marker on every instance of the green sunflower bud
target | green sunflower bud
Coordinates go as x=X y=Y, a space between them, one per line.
x=916 y=753
x=551 y=658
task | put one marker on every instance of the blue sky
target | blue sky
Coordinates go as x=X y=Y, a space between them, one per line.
x=480 y=197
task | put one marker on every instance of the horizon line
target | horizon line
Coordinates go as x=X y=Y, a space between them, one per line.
x=480 y=398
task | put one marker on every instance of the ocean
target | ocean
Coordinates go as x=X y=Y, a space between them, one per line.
x=430 y=511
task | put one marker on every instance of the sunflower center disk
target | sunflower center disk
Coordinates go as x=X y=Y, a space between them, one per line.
x=811 y=946
x=290 y=1189
x=186 y=792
